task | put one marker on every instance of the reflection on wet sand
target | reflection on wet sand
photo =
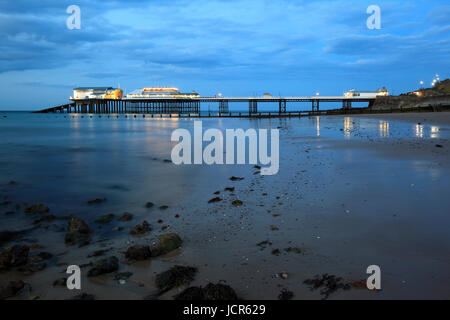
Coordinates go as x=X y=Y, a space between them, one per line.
x=384 y=129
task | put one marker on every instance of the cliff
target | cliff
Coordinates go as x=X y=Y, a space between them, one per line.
x=436 y=97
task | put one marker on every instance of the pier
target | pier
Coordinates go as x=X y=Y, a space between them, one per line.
x=192 y=107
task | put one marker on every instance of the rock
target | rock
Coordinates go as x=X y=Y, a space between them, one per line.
x=7 y=236
x=257 y=167
x=11 y=289
x=439 y=146
x=42 y=256
x=32 y=268
x=105 y=219
x=103 y=266
x=174 y=277
x=330 y=283
x=190 y=294
x=126 y=217
x=276 y=252
x=4 y=203
x=237 y=203
x=164 y=207
x=167 y=243
x=233 y=178
x=96 y=200
x=61 y=282
x=45 y=218
x=149 y=205
x=285 y=295
x=77 y=238
x=141 y=228
x=293 y=249
x=264 y=244
x=212 y=292
x=14 y=256
x=36 y=208
x=76 y=225
x=83 y=296
x=216 y=199
x=138 y=253
x=98 y=253
x=123 y=275
x=229 y=189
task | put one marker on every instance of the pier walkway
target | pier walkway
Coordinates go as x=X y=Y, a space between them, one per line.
x=193 y=105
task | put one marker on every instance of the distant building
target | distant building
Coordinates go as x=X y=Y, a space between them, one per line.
x=96 y=93
x=267 y=95
x=366 y=94
x=160 y=92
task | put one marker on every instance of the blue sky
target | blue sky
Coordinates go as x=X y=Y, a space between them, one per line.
x=237 y=48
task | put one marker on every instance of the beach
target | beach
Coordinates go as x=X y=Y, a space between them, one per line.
x=351 y=192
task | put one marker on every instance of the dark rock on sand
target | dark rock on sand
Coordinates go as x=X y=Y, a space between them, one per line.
x=61 y=282
x=219 y=292
x=96 y=200
x=83 y=296
x=293 y=249
x=229 y=189
x=123 y=275
x=77 y=238
x=7 y=236
x=11 y=289
x=141 y=228
x=237 y=203
x=105 y=219
x=212 y=292
x=439 y=146
x=36 y=208
x=264 y=244
x=175 y=277
x=32 y=268
x=285 y=295
x=216 y=199
x=42 y=256
x=138 y=253
x=45 y=218
x=103 y=266
x=276 y=252
x=14 y=256
x=98 y=253
x=149 y=205
x=163 y=207
x=126 y=217
x=233 y=178
x=329 y=283
x=190 y=294
x=78 y=225
x=166 y=244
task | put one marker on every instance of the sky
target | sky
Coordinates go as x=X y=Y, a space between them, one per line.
x=233 y=47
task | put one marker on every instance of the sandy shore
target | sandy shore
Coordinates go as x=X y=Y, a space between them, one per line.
x=351 y=192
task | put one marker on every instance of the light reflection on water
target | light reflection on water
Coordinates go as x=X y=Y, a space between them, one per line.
x=384 y=129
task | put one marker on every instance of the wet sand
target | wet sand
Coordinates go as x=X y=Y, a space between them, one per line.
x=351 y=192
